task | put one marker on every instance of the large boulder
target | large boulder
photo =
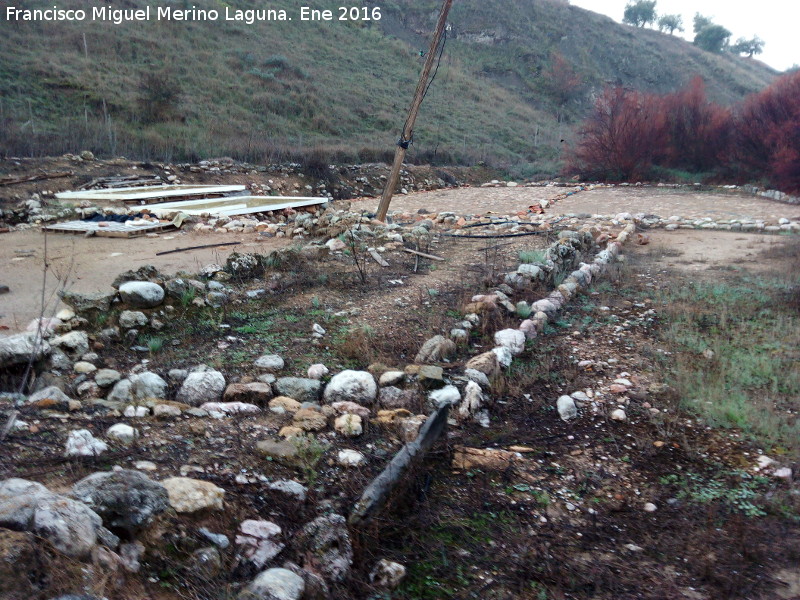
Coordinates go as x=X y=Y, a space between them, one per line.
x=353 y=386
x=201 y=386
x=22 y=348
x=71 y=526
x=299 y=388
x=141 y=294
x=124 y=499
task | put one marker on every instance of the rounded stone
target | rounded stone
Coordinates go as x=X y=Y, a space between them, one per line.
x=141 y=294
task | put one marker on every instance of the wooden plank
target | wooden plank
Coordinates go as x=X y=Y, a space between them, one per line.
x=114 y=230
x=422 y=254
x=378 y=258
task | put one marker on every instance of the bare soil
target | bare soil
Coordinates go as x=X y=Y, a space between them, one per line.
x=565 y=521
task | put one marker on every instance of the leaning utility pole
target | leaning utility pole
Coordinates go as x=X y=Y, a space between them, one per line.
x=408 y=128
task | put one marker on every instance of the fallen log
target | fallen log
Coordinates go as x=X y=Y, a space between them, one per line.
x=8 y=180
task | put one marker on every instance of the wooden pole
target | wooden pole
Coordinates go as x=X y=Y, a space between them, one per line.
x=408 y=129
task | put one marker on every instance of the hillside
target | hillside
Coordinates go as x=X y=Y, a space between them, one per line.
x=515 y=78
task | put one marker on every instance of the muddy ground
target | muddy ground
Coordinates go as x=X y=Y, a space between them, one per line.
x=568 y=517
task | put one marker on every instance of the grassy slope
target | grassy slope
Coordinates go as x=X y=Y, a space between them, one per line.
x=341 y=86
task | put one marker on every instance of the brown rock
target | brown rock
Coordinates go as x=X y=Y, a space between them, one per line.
x=309 y=420
x=486 y=363
x=284 y=404
x=493 y=460
x=250 y=393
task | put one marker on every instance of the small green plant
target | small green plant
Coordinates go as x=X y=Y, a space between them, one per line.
x=524 y=310
x=737 y=490
x=154 y=344
x=315 y=303
x=187 y=296
x=531 y=256
x=309 y=453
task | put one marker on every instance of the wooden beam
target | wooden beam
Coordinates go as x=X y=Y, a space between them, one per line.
x=408 y=128
x=422 y=254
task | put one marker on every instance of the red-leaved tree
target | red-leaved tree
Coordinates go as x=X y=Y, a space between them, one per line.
x=767 y=141
x=622 y=138
x=698 y=131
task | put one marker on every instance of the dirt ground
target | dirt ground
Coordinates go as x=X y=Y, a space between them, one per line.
x=91 y=264
x=566 y=520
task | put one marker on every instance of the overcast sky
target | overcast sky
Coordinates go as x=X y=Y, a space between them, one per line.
x=774 y=21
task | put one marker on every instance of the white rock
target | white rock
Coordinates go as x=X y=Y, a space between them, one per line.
x=141 y=294
x=148 y=386
x=531 y=271
x=650 y=507
x=449 y=394
x=513 y=339
x=106 y=377
x=128 y=319
x=566 y=408
x=472 y=402
x=292 y=488
x=122 y=433
x=231 y=408
x=317 y=371
x=623 y=381
x=136 y=411
x=256 y=541
x=580 y=397
x=387 y=574
x=74 y=343
x=351 y=458
x=504 y=356
x=145 y=465
x=82 y=443
x=355 y=386
x=478 y=377
x=269 y=362
x=783 y=473
x=318 y=329
x=390 y=378
x=276 y=584
x=83 y=368
x=618 y=415
x=349 y=425
x=166 y=410
x=202 y=386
